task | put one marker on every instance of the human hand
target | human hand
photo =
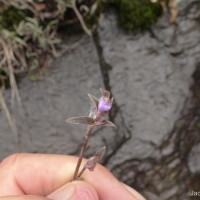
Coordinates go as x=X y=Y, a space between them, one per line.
x=43 y=177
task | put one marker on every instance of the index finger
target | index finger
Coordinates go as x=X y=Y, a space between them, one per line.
x=36 y=174
x=41 y=174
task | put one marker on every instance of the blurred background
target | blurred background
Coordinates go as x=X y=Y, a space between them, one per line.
x=146 y=53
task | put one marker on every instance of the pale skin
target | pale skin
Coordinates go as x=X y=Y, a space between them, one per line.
x=44 y=176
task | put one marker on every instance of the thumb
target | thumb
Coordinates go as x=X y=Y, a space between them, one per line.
x=24 y=197
x=77 y=190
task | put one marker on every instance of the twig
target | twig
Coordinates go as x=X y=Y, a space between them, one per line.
x=92 y=161
x=80 y=18
x=83 y=148
x=81 y=172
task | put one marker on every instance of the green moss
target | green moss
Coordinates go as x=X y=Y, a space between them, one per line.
x=10 y=16
x=137 y=14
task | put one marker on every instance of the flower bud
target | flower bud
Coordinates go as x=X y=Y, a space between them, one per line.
x=104 y=105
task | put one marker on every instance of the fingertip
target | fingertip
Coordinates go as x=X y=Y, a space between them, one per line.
x=77 y=190
x=137 y=195
x=84 y=191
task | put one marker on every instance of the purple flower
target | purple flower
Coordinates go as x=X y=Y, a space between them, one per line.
x=98 y=111
x=97 y=117
x=104 y=105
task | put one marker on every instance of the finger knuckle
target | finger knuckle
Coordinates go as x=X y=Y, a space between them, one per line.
x=9 y=161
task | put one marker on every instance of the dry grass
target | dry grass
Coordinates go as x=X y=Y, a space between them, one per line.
x=8 y=59
x=30 y=44
x=10 y=118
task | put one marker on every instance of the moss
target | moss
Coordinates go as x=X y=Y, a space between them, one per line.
x=10 y=16
x=136 y=15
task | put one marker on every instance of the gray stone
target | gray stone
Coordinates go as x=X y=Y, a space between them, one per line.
x=150 y=76
x=194 y=161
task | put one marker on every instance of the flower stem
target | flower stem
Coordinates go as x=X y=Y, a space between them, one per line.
x=81 y=172
x=83 y=148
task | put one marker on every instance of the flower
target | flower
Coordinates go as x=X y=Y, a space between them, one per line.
x=104 y=106
x=105 y=103
x=99 y=109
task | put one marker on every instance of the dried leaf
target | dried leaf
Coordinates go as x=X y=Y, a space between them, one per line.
x=94 y=105
x=81 y=120
x=92 y=162
x=100 y=153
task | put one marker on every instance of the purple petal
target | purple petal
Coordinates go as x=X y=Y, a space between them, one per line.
x=104 y=106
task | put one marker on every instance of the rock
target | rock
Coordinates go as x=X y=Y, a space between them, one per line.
x=149 y=75
x=194 y=161
x=149 y=82
x=49 y=101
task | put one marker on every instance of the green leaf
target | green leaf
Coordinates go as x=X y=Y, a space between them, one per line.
x=21 y=41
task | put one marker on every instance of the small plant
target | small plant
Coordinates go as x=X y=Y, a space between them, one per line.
x=137 y=15
x=29 y=40
x=97 y=117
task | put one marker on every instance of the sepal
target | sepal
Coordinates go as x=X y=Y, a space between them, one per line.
x=94 y=160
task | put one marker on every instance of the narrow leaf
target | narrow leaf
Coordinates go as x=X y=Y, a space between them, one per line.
x=94 y=105
x=107 y=123
x=93 y=99
x=81 y=120
x=100 y=153
x=94 y=160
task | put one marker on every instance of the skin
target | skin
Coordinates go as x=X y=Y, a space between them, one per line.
x=44 y=176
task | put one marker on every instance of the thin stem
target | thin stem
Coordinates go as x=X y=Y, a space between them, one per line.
x=83 y=148
x=81 y=20
x=81 y=172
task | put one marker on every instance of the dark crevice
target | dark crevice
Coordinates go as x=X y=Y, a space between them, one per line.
x=104 y=66
x=123 y=133
x=168 y=170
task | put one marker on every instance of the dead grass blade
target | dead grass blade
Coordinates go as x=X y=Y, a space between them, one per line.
x=10 y=119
